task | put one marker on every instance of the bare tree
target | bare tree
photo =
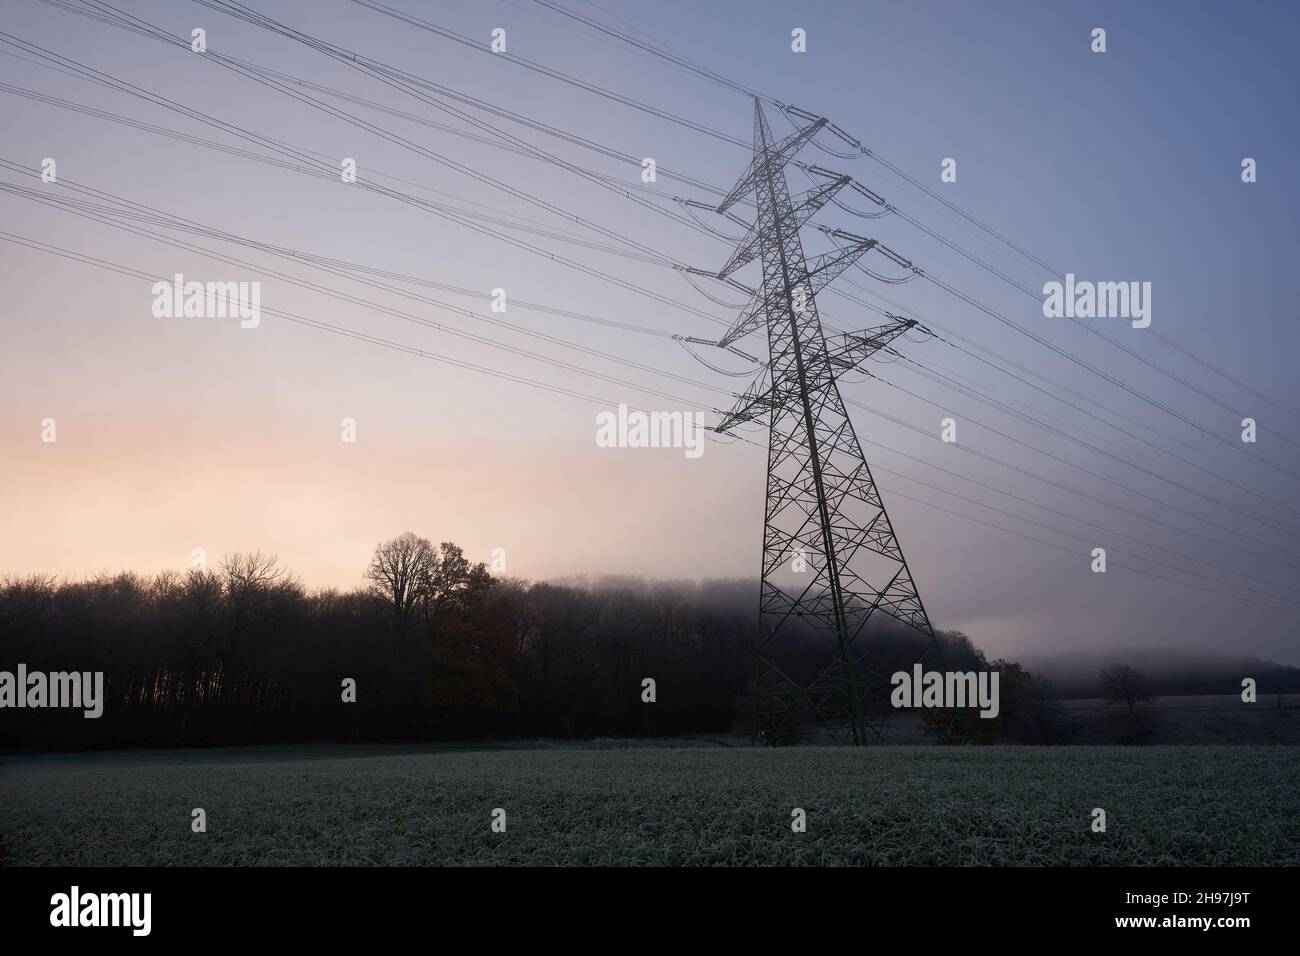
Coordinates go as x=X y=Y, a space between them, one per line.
x=400 y=573
x=253 y=585
x=250 y=581
x=1120 y=682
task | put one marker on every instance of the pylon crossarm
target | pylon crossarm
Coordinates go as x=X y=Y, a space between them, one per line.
x=819 y=273
x=814 y=199
x=852 y=349
x=853 y=184
x=804 y=207
x=752 y=317
x=839 y=235
x=728 y=348
x=696 y=204
x=828 y=265
x=774 y=157
x=831 y=127
x=755 y=401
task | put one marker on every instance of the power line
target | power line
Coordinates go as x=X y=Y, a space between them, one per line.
x=863 y=151
x=353 y=60
x=368 y=338
x=1018 y=469
x=1118 y=484
x=103 y=114
x=332 y=265
x=313 y=323
x=1090 y=472
x=951 y=380
x=311 y=162
x=1105 y=529
x=1041 y=384
x=401 y=314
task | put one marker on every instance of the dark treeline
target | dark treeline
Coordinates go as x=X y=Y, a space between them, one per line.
x=437 y=647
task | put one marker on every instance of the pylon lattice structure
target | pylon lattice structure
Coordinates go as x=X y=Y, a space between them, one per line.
x=831 y=560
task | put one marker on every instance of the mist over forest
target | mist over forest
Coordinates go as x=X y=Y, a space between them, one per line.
x=1173 y=672
x=439 y=649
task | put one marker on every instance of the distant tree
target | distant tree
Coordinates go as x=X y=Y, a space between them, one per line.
x=255 y=592
x=1120 y=682
x=452 y=588
x=1028 y=712
x=959 y=652
x=400 y=574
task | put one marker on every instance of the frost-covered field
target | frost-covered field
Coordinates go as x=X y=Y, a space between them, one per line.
x=893 y=805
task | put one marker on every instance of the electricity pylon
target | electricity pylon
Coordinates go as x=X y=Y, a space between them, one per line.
x=831 y=559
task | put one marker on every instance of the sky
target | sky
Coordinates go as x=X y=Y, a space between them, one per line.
x=478 y=427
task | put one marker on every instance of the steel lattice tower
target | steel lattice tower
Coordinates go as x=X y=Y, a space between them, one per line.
x=823 y=511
